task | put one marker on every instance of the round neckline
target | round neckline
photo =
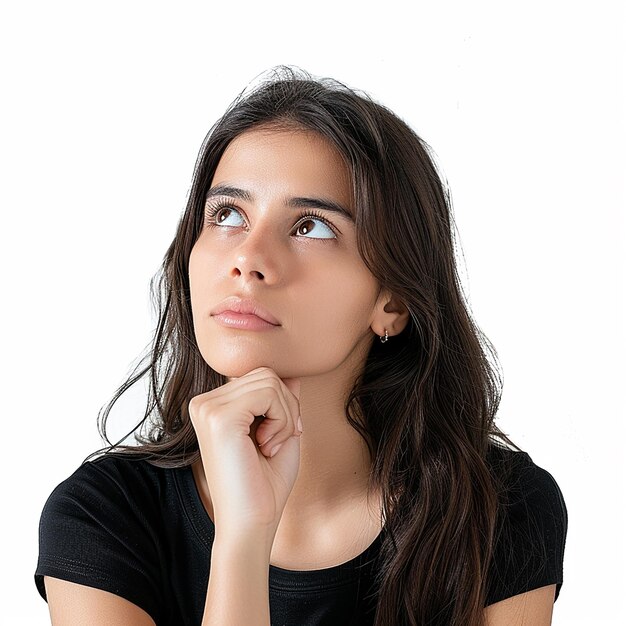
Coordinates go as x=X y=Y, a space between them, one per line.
x=279 y=577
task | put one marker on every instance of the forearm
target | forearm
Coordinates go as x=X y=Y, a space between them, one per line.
x=238 y=591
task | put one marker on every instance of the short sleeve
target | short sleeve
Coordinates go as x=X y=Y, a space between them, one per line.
x=530 y=541
x=92 y=531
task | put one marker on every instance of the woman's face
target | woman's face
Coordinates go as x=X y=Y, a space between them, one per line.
x=306 y=272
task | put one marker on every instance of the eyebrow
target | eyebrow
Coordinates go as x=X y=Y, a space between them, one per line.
x=296 y=203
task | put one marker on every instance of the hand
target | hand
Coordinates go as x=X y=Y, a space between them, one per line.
x=249 y=489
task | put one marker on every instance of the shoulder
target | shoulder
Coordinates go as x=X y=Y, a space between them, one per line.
x=525 y=488
x=531 y=529
x=129 y=467
x=101 y=527
x=113 y=478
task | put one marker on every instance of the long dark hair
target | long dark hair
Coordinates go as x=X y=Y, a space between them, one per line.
x=426 y=400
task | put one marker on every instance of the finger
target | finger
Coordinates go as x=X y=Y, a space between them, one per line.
x=291 y=388
x=276 y=440
x=272 y=424
x=254 y=371
x=268 y=429
x=293 y=384
x=279 y=420
x=280 y=460
x=292 y=412
x=258 y=397
x=254 y=399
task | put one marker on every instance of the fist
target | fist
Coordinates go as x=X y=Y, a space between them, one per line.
x=250 y=466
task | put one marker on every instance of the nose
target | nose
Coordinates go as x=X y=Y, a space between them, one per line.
x=256 y=257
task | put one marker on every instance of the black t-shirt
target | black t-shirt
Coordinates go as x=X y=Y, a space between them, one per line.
x=142 y=532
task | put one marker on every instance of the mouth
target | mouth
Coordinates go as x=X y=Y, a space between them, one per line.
x=245 y=307
x=242 y=321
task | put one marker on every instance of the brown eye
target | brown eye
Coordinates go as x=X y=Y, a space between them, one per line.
x=215 y=214
x=220 y=214
x=311 y=225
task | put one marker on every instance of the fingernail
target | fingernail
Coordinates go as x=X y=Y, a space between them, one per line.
x=275 y=449
x=299 y=423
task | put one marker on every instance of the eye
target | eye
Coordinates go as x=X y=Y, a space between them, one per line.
x=313 y=216
x=215 y=217
x=213 y=214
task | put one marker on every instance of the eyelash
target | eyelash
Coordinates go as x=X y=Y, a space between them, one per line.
x=212 y=209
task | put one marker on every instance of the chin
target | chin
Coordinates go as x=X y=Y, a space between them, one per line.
x=239 y=370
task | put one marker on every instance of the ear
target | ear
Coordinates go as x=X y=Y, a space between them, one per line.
x=390 y=314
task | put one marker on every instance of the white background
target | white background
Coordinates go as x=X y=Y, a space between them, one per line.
x=104 y=108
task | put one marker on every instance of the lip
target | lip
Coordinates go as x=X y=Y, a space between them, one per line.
x=243 y=322
x=244 y=307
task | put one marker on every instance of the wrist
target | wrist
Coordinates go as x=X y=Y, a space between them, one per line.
x=257 y=541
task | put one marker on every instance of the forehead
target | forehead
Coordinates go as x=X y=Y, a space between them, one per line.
x=287 y=161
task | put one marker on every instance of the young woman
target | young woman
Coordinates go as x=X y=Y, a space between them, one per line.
x=319 y=443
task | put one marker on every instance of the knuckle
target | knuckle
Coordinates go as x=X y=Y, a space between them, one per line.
x=275 y=384
x=200 y=409
x=191 y=407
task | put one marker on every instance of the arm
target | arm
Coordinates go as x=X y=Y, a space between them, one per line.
x=248 y=487
x=71 y=604
x=533 y=608
x=238 y=591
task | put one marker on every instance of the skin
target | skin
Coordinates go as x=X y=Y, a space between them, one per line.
x=330 y=311
x=330 y=308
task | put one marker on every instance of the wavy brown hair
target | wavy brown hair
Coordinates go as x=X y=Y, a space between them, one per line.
x=426 y=400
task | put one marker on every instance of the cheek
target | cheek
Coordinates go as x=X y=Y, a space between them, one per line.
x=201 y=264
x=199 y=270
x=342 y=303
x=192 y=270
